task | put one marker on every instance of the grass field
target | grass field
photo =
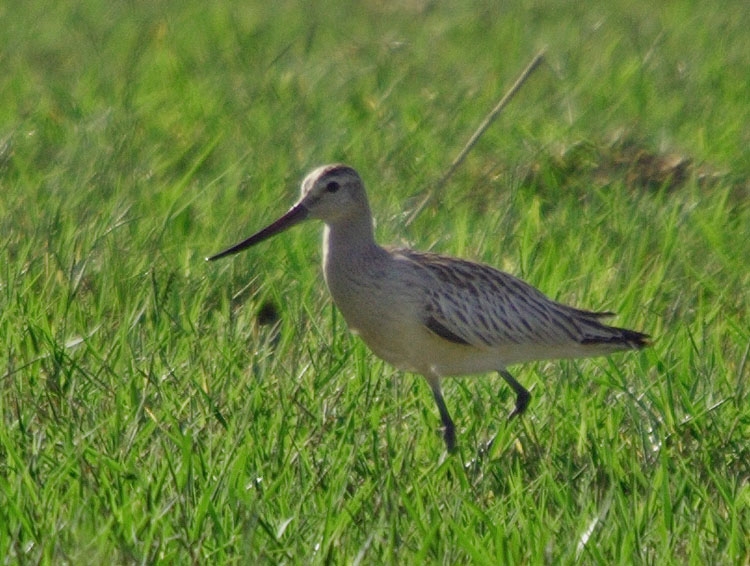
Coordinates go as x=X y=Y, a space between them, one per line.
x=148 y=416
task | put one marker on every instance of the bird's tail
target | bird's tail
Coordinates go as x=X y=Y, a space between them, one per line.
x=594 y=333
x=617 y=338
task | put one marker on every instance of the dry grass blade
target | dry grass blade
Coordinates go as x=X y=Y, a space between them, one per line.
x=491 y=116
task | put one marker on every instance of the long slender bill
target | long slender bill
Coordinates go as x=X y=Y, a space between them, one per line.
x=295 y=215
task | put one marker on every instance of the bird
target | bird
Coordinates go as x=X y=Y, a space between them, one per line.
x=432 y=314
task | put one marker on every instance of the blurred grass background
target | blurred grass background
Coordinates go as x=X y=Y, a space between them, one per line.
x=149 y=417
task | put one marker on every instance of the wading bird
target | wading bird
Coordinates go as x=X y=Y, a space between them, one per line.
x=431 y=314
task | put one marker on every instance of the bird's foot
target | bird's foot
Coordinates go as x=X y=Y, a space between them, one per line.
x=522 y=401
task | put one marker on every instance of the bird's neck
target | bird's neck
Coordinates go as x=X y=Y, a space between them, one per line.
x=349 y=245
x=349 y=236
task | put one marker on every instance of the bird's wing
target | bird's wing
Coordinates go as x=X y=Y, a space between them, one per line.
x=474 y=304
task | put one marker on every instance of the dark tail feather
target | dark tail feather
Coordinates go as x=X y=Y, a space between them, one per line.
x=629 y=339
x=595 y=332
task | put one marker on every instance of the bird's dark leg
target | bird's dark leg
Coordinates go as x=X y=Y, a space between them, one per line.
x=449 y=430
x=522 y=394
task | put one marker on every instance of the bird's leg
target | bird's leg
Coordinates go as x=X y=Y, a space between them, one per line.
x=449 y=430
x=522 y=394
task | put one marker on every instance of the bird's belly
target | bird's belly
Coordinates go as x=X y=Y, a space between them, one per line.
x=410 y=346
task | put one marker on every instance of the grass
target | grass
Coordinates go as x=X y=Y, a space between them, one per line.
x=148 y=417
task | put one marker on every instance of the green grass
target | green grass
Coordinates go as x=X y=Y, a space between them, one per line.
x=148 y=417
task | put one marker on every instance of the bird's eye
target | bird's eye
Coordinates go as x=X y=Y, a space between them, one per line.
x=332 y=187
